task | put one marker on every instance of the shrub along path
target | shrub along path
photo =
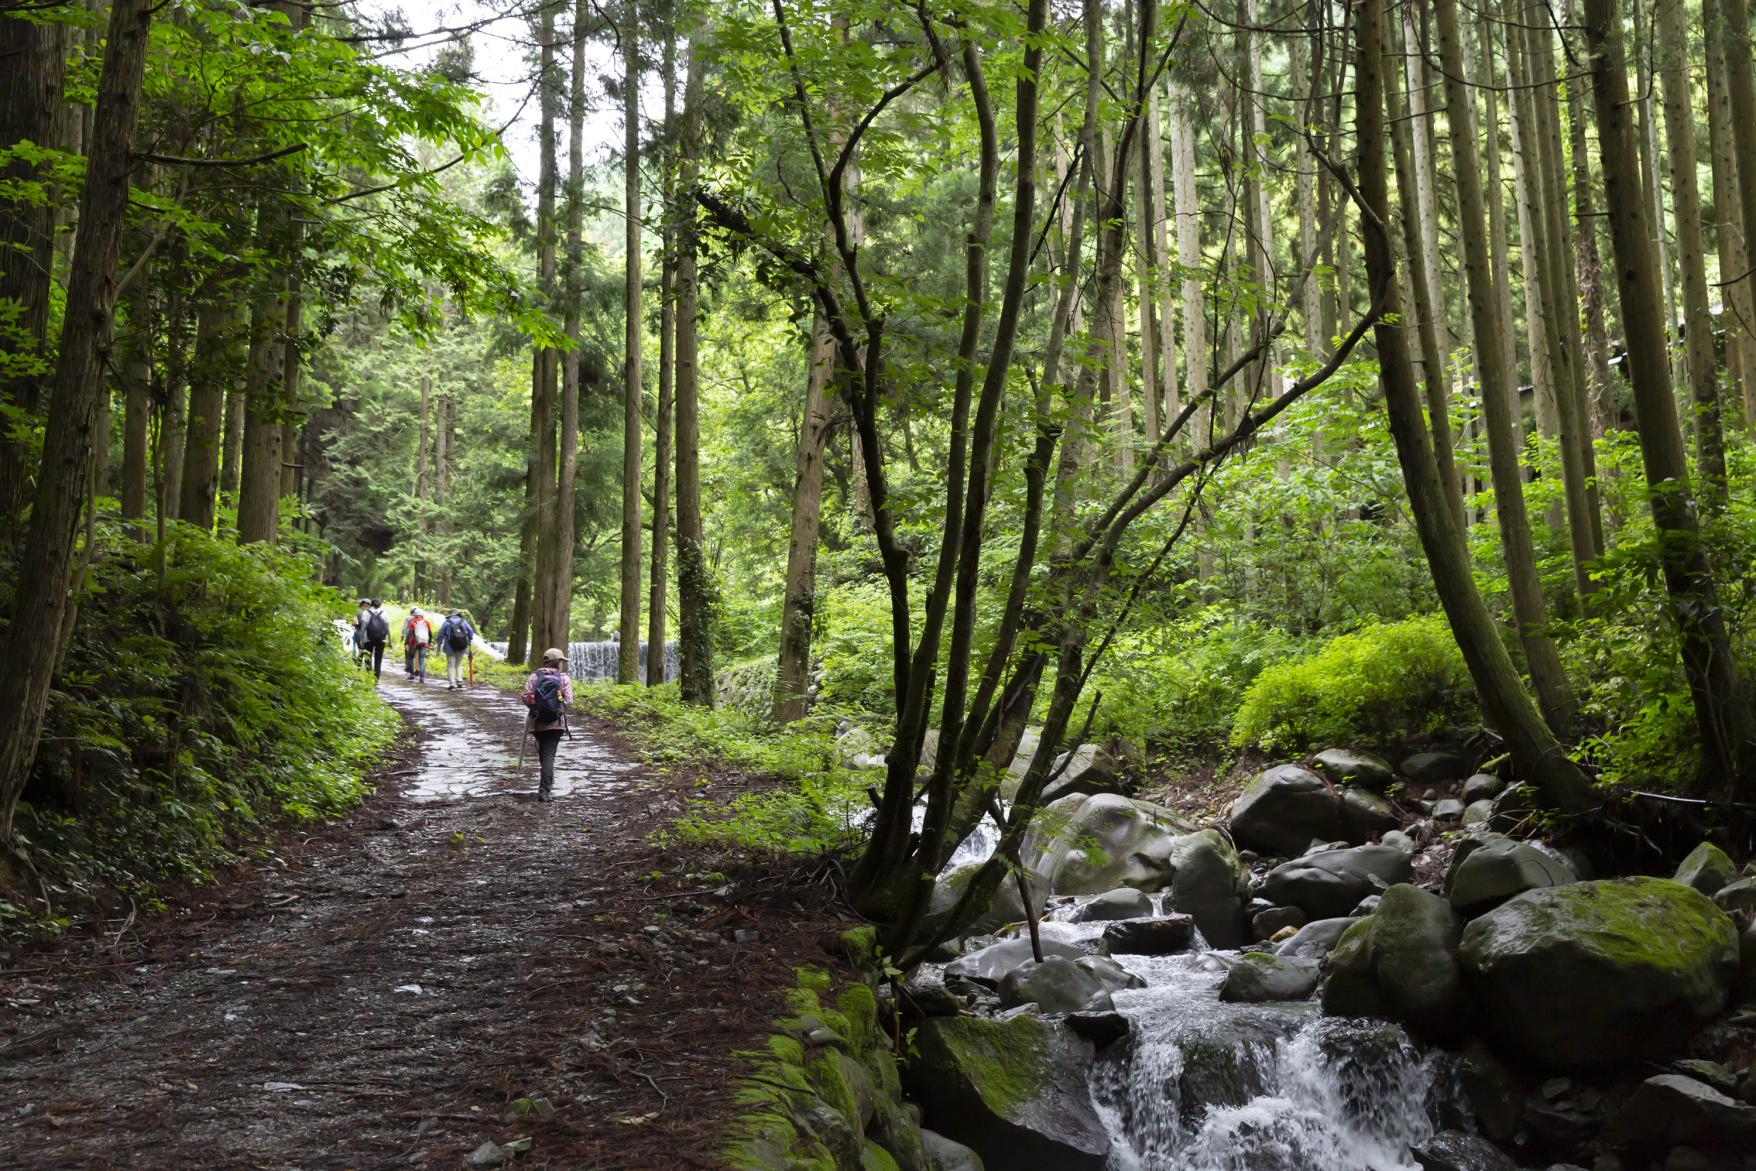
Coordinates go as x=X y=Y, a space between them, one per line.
x=441 y=969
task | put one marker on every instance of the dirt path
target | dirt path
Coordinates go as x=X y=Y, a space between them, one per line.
x=388 y=993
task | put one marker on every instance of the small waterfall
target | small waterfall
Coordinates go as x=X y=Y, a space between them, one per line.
x=1202 y=1085
x=597 y=660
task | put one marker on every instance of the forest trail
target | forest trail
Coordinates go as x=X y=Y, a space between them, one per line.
x=388 y=996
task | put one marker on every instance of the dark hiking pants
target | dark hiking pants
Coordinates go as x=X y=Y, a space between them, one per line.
x=547 y=743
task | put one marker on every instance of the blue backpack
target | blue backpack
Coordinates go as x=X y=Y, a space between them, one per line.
x=548 y=697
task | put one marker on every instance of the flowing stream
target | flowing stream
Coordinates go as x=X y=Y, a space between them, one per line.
x=597 y=660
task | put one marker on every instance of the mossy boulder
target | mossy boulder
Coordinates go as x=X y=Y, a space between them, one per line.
x=1346 y=766
x=1090 y=844
x=1261 y=976
x=1708 y=869
x=1596 y=974
x=1208 y=884
x=1014 y=1090
x=1400 y=963
x=1486 y=875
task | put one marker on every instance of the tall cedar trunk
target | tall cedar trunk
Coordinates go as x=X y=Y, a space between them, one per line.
x=292 y=368
x=1264 y=379
x=259 y=463
x=694 y=586
x=1146 y=256
x=1189 y=247
x=628 y=654
x=30 y=93
x=1408 y=129
x=69 y=445
x=567 y=470
x=1499 y=393
x=210 y=371
x=1721 y=714
x=1584 y=522
x=546 y=366
x=1588 y=268
x=173 y=414
x=519 y=643
x=232 y=442
x=1499 y=264
x=1535 y=754
x=1729 y=233
x=136 y=373
x=1730 y=34
x=1527 y=192
x=423 y=498
x=1699 y=361
x=658 y=581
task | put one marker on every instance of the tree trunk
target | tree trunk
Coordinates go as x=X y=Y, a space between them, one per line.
x=1498 y=263
x=1729 y=229
x=1527 y=194
x=1535 y=753
x=1499 y=394
x=136 y=372
x=173 y=417
x=259 y=482
x=40 y=604
x=1671 y=37
x=423 y=453
x=1722 y=715
x=572 y=383
x=1730 y=33
x=628 y=654
x=211 y=371
x=30 y=93
x=1587 y=266
x=1189 y=246
x=546 y=365
x=232 y=447
x=694 y=583
x=659 y=579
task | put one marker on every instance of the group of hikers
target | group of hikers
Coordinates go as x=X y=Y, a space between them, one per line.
x=548 y=691
x=372 y=633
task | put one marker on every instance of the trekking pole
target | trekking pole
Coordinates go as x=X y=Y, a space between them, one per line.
x=522 y=741
x=472 y=667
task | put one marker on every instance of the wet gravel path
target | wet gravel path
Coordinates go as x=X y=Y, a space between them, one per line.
x=408 y=984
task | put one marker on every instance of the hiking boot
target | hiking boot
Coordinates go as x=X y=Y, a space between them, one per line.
x=545 y=795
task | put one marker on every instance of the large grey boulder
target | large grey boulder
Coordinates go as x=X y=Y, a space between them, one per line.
x=1316 y=940
x=1400 y=963
x=1284 y=808
x=1088 y=769
x=1330 y=883
x=1434 y=768
x=1482 y=787
x=1089 y=844
x=1261 y=976
x=1453 y=1150
x=1594 y=974
x=1671 y=1108
x=1365 y=814
x=943 y=1154
x=1057 y=985
x=1122 y=903
x=1015 y=1090
x=1738 y=899
x=990 y=964
x=1707 y=868
x=1209 y=885
x=1496 y=870
x=1346 y=766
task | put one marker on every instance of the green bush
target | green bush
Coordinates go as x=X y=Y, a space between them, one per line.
x=191 y=709
x=1175 y=688
x=1370 y=686
x=854 y=645
x=809 y=809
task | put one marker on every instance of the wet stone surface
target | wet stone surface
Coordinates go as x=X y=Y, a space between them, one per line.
x=384 y=992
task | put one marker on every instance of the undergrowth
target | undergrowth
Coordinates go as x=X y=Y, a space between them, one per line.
x=812 y=805
x=192 y=710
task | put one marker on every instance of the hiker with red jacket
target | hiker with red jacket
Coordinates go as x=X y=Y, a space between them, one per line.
x=417 y=636
x=548 y=693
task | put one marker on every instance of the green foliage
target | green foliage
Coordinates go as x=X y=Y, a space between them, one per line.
x=810 y=807
x=1372 y=685
x=855 y=646
x=192 y=712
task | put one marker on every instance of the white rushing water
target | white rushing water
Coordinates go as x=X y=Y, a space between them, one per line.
x=597 y=660
x=1204 y=1085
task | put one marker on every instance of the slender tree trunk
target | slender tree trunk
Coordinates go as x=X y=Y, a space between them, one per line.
x=1499 y=399
x=1587 y=266
x=1729 y=229
x=1498 y=262
x=232 y=444
x=173 y=417
x=546 y=367
x=694 y=583
x=423 y=502
x=1723 y=716
x=658 y=581
x=1527 y=194
x=1146 y=256
x=1730 y=35
x=217 y=337
x=30 y=93
x=572 y=383
x=1535 y=754
x=137 y=401
x=628 y=656
x=259 y=481
x=1699 y=361
x=40 y=605
x=1189 y=246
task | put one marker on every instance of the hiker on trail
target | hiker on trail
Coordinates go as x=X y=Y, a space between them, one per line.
x=371 y=632
x=455 y=636
x=548 y=693
x=362 y=657
x=417 y=636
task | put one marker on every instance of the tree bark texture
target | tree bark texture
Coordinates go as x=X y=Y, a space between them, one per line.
x=628 y=654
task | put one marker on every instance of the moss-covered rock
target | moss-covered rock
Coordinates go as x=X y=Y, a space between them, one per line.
x=1598 y=973
x=1014 y=1090
x=1707 y=868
